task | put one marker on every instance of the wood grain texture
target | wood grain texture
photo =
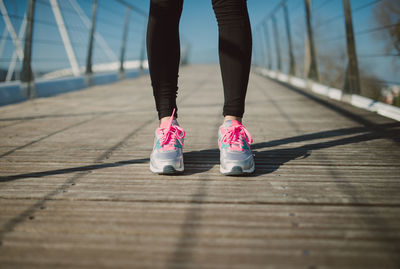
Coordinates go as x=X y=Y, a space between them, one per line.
x=76 y=190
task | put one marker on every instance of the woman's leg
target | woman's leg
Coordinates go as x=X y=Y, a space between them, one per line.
x=235 y=42
x=163 y=50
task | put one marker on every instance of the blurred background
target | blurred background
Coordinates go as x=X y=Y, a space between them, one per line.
x=62 y=33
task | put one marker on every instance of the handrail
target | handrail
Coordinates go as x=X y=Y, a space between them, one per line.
x=90 y=43
x=278 y=47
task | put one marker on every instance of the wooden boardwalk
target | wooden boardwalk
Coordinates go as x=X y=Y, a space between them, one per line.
x=76 y=191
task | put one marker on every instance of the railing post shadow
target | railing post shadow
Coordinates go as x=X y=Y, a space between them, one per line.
x=89 y=71
x=121 y=73
x=27 y=85
x=352 y=77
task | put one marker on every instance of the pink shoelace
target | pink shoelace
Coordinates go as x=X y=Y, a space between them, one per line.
x=234 y=137
x=171 y=134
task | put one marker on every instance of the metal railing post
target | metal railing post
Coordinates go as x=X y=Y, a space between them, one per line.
x=352 y=78
x=123 y=45
x=267 y=40
x=277 y=46
x=27 y=79
x=292 y=67
x=255 y=54
x=143 y=51
x=313 y=68
x=262 y=54
x=185 y=54
x=89 y=71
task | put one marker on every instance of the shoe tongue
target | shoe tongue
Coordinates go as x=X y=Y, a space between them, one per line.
x=231 y=123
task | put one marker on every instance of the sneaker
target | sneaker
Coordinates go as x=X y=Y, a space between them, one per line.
x=167 y=157
x=234 y=145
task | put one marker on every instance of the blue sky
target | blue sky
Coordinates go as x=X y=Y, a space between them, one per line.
x=198 y=27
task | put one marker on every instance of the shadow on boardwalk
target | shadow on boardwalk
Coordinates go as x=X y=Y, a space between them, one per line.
x=274 y=158
x=268 y=160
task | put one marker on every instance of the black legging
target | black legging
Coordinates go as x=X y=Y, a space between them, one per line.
x=163 y=49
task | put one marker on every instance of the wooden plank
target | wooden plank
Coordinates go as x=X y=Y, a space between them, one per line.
x=76 y=191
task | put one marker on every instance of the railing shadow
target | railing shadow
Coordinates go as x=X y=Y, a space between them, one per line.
x=267 y=160
x=69 y=170
x=272 y=159
x=204 y=160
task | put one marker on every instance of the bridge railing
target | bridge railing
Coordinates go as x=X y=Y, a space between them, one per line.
x=348 y=45
x=48 y=39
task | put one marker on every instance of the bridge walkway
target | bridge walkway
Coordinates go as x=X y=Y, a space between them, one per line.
x=76 y=191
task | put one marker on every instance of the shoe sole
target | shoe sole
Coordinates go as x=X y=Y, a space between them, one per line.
x=170 y=170
x=236 y=171
x=167 y=170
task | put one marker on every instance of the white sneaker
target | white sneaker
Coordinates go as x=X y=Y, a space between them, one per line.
x=167 y=157
x=234 y=145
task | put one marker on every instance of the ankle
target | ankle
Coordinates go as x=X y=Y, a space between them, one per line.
x=165 y=119
x=229 y=117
